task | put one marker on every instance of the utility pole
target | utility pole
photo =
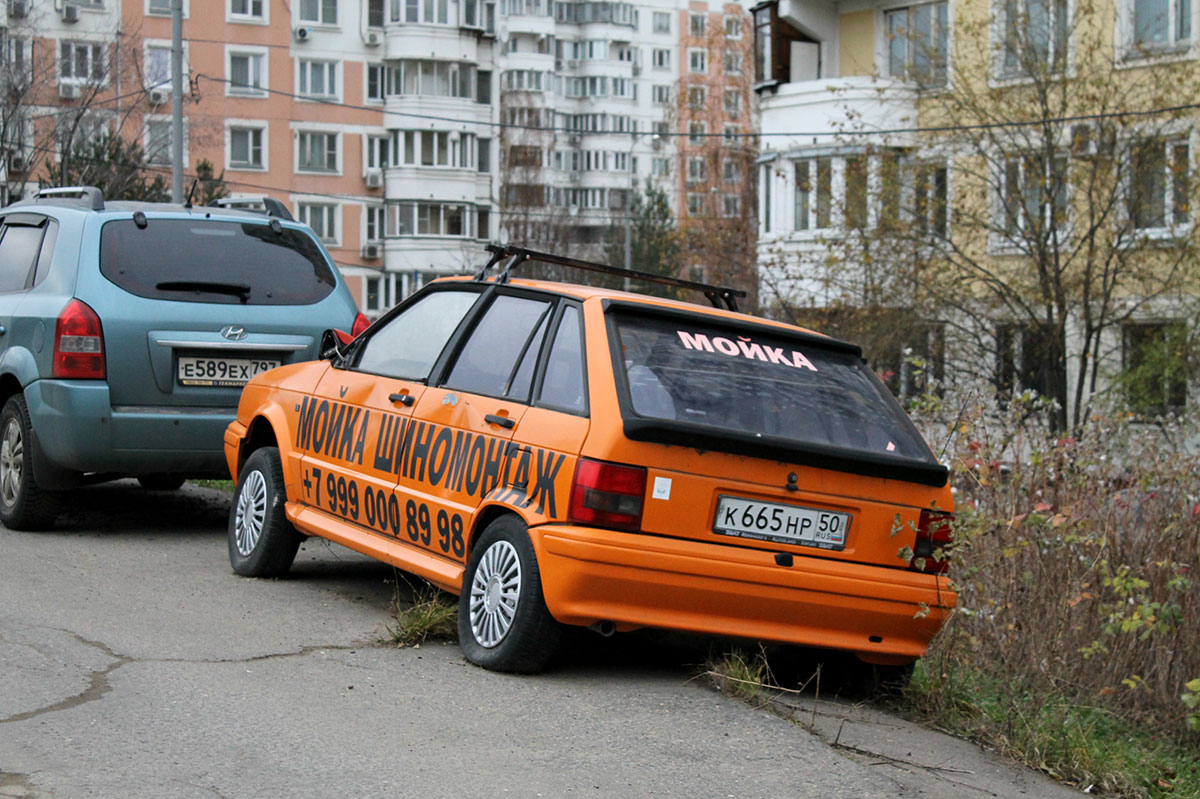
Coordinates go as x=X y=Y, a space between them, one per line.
x=177 y=101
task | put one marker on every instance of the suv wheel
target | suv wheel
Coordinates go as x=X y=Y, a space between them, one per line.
x=503 y=623
x=262 y=542
x=23 y=504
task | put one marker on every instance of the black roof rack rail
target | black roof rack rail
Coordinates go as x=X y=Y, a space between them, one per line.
x=270 y=206
x=90 y=196
x=518 y=255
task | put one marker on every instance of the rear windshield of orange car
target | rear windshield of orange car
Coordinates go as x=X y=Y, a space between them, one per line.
x=204 y=260
x=751 y=384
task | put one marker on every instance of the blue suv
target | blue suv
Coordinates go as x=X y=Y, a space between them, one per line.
x=127 y=331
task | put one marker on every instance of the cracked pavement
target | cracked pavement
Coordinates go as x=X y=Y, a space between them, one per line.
x=133 y=663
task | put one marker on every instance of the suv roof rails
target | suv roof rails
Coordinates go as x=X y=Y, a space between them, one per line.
x=269 y=206
x=89 y=196
x=518 y=255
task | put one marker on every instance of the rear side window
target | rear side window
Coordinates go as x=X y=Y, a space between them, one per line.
x=751 y=382
x=202 y=260
x=563 y=385
x=19 y=247
x=499 y=357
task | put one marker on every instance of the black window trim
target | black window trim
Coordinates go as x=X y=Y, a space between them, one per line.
x=712 y=438
x=20 y=219
x=544 y=362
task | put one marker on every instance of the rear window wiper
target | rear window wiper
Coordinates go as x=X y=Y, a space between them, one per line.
x=239 y=290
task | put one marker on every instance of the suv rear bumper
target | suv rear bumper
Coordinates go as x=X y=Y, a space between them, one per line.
x=79 y=429
x=591 y=575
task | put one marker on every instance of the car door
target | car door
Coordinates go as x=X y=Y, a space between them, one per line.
x=461 y=451
x=353 y=430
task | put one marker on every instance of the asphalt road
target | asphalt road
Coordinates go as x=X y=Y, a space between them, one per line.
x=134 y=663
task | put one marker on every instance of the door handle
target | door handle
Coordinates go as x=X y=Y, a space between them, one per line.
x=403 y=399
x=503 y=421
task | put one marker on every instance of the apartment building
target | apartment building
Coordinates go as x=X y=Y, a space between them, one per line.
x=405 y=132
x=1005 y=186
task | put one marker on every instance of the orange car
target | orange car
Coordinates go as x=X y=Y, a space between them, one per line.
x=564 y=455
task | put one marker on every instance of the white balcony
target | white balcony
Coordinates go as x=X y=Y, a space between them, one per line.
x=831 y=111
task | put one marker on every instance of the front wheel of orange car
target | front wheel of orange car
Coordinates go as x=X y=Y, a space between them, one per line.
x=503 y=623
x=262 y=542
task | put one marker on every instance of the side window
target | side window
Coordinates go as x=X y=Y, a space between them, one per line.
x=563 y=385
x=411 y=342
x=494 y=356
x=18 y=249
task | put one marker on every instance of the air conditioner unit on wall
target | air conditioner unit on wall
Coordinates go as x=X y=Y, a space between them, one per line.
x=68 y=91
x=16 y=162
x=302 y=34
x=158 y=96
x=17 y=9
x=371 y=251
x=374 y=179
x=372 y=39
x=70 y=13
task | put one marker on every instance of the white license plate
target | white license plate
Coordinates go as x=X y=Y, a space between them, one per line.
x=786 y=524
x=195 y=371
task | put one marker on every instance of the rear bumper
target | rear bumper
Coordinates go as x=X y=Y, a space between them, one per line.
x=590 y=575
x=79 y=429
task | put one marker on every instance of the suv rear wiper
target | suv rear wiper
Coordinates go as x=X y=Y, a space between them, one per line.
x=239 y=290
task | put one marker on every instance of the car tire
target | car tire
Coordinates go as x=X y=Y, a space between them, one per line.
x=262 y=542
x=505 y=630
x=161 y=482
x=24 y=505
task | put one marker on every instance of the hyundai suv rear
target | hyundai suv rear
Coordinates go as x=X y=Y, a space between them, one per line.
x=128 y=329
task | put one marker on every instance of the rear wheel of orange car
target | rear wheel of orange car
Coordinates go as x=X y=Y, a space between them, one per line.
x=503 y=623
x=262 y=542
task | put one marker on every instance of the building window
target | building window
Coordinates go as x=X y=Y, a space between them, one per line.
x=318 y=78
x=661 y=94
x=695 y=201
x=246 y=148
x=158 y=67
x=317 y=152
x=1034 y=195
x=733 y=103
x=697 y=97
x=1023 y=358
x=660 y=167
x=158 y=142
x=696 y=132
x=1159 y=25
x=662 y=22
x=660 y=57
x=159 y=7
x=438 y=79
x=378 y=148
x=319 y=12
x=731 y=205
x=82 y=62
x=697 y=25
x=730 y=133
x=374 y=219
x=375 y=13
x=931 y=199
x=697 y=60
x=322 y=219
x=731 y=170
x=247 y=9
x=484 y=159
x=814 y=194
x=917 y=44
x=1155 y=356
x=1160 y=184
x=695 y=173
x=1034 y=36
x=733 y=63
x=246 y=73
x=733 y=27
x=427 y=12
x=376 y=74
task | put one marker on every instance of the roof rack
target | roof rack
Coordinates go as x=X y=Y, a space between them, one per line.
x=259 y=205
x=518 y=255
x=90 y=196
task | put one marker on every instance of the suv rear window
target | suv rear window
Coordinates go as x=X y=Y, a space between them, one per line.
x=754 y=385
x=202 y=260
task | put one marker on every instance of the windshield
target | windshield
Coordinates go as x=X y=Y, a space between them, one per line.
x=204 y=260
x=752 y=382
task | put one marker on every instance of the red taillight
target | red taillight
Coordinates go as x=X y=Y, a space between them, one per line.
x=934 y=534
x=78 y=343
x=608 y=495
x=361 y=323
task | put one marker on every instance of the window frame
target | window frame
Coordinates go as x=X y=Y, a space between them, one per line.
x=261 y=54
x=336 y=151
x=260 y=126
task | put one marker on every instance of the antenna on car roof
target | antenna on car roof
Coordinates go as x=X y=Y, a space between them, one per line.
x=188 y=202
x=717 y=295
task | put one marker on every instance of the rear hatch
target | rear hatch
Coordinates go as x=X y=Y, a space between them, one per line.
x=191 y=308
x=761 y=436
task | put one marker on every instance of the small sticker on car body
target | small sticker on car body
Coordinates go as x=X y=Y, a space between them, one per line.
x=662 y=488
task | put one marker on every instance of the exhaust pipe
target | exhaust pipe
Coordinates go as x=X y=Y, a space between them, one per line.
x=604 y=628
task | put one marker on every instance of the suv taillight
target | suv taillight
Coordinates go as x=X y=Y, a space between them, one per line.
x=934 y=534
x=361 y=323
x=607 y=495
x=78 y=343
